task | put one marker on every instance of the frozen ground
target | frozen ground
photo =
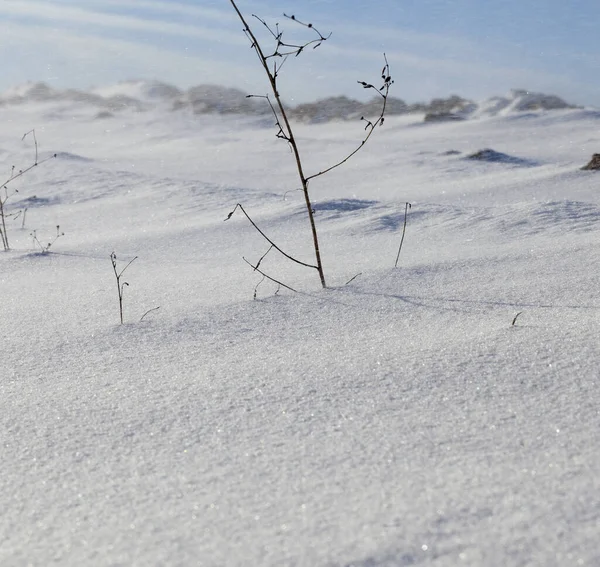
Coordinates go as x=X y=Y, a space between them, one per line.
x=397 y=420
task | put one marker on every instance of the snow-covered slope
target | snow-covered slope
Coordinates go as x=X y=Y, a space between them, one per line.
x=399 y=419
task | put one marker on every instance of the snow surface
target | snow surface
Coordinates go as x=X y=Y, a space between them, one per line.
x=400 y=419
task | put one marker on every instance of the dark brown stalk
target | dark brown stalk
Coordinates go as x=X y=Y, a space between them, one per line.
x=290 y=138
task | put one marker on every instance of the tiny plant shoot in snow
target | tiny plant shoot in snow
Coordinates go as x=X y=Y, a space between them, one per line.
x=6 y=193
x=46 y=248
x=120 y=285
x=272 y=63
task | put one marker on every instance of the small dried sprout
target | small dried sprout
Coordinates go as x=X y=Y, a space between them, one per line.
x=290 y=191
x=257 y=286
x=353 y=278
x=5 y=195
x=407 y=207
x=32 y=132
x=45 y=249
x=120 y=285
x=514 y=321
x=149 y=311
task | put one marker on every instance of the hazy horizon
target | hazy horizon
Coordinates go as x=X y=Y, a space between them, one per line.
x=435 y=48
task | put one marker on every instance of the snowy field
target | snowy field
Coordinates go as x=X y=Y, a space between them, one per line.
x=401 y=419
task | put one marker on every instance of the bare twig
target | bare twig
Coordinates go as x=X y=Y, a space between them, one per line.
x=285 y=127
x=149 y=311
x=281 y=52
x=255 y=268
x=407 y=206
x=370 y=126
x=32 y=132
x=514 y=321
x=6 y=195
x=263 y=256
x=120 y=286
x=45 y=249
x=353 y=278
x=273 y=245
x=257 y=285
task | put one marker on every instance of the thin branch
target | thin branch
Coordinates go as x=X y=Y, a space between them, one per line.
x=263 y=256
x=120 y=286
x=149 y=311
x=257 y=285
x=268 y=239
x=32 y=132
x=280 y=134
x=353 y=278
x=286 y=129
x=24 y=171
x=269 y=277
x=370 y=126
x=407 y=206
x=129 y=264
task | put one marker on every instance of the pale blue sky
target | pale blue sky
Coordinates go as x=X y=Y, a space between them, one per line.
x=475 y=48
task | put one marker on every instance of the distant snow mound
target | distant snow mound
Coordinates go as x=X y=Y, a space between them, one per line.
x=205 y=99
x=332 y=108
x=43 y=93
x=492 y=156
x=442 y=117
x=146 y=91
x=593 y=164
x=520 y=100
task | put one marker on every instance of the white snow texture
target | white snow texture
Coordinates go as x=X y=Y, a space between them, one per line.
x=401 y=419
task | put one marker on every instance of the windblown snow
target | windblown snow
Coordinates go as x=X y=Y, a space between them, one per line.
x=408 y=417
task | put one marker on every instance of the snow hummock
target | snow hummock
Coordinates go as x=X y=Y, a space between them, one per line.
x=444 y=412
x=520 y=100
x=143 y=90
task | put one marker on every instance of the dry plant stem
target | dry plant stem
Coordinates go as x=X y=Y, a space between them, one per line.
x=4 y=198
x=290 y=138
x=46 y=249
x=32 y=132
x=406 y=207
x=149 y=311
x=22 y=172
x=3 y=227
x=120 y=286
x=255 y=268
x=370 y=127
x=257 y=286
x=273 y=245
x=353 y=278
